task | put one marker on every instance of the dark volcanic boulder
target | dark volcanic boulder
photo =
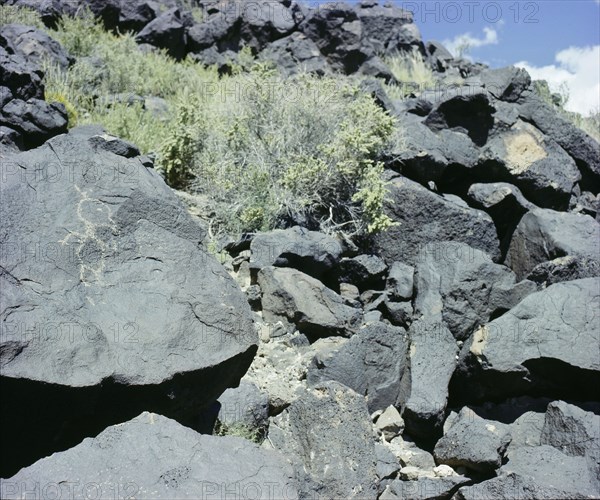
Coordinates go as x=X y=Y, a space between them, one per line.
x=371 y=362
x=465 y=285
x=154 y=457
x=426 y=217
x=473 y=442
x=506 y=84
x=550 y=468
x=548 y=342
x=110 y=306
x=135 y=14
x=513 y=486
x=35 y=120
x=580 y=146
x=338 y=33
x=424 y=388
x=544 y=235
x=166 y=32
x=568 y=268
x=363 y=271
x=296 y=53
x=523 y=156
x=326 y=434
x=388 y=29
x=299 y=300
x=21 y=77
x=244 y=408
x=33 y=44
x=311 y=252
x=506 y=205
x=573 y=431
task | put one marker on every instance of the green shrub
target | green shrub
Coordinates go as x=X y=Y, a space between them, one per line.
x=271 y=150
x=11 y=14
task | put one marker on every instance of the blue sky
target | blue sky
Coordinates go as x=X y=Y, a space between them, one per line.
x=558 y=40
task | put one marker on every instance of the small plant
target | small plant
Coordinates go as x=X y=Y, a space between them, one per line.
x=239 y=430
x=411 y=71
x=13 y=14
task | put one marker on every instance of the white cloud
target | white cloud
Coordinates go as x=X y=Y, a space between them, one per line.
x=579 y=69
x=466 y=41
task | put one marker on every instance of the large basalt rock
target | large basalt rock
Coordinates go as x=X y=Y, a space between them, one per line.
x=33 y=44
x=550 y=468
x=338 y=33
x=573 y=431
x=465 y=285
x=166 y=32
x=388 y=29
x=426 y=217
x=331 y=460
x=547 y=343
x=371 y=362
x=523 y=156
x=21 y=77
x=299 y=300
x=506 y=205
x=296 y=53
x=36 y=120
x=473 y=442
x=543 y=235
x=580 y=146
x=152 y=456
x=424 y=387
x=311 y=252
x=110 y=306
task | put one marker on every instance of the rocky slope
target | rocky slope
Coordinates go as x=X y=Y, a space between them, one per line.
x=456 y=356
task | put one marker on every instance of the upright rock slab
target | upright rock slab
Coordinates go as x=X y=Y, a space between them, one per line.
x=152 y=456
x=371 y=362
x=110 y=306
x=327 y=435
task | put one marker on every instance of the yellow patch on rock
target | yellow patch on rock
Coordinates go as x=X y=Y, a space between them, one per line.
x=523 y=147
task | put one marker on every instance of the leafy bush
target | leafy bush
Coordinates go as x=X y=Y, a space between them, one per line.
x=267 y=151
x=11 y=14
x=271 y=152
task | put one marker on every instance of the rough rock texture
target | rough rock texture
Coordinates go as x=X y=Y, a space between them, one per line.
x=400 y=281
x=310 y=251
x=331 y=461
x=33 y=44
x=548 y=342
x=21 y=77
x=551 y=468
x=34 y=119
x=364 y=271
x=372 y=363
x=109 y=304
x=424 y=388
x=245 y=406
x=166 y=32
x=544 y=235
x=473 y=442
x=573 y=431
x=580 y=146
x=426 y=217
x=465 y=285
x=513 y=487
x=296 y=53
x=523 y=156
x=568 y=268
x=152 y=456
x=297 y=299
x=424 y=488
